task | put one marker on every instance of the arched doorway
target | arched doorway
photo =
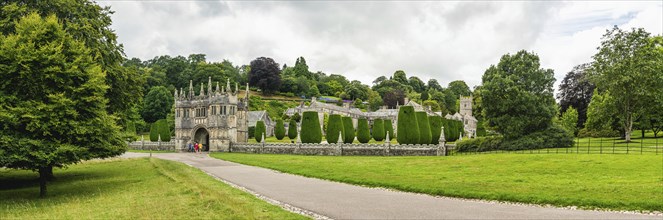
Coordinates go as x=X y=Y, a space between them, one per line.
x=202 y=136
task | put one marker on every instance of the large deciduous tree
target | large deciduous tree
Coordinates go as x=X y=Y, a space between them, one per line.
x=265 y=74
x=52 y=99
x=459 y=88
x=157 y=104
x=628 y=66
x=517 y=95
x=576 y=91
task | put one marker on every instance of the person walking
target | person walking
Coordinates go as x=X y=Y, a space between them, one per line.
x=196 y=147
x=190 y=147
x=202 y=147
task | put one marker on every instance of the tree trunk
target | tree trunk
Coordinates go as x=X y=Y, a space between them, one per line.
x=643 y=133
x=43 y=176
x=49 y=173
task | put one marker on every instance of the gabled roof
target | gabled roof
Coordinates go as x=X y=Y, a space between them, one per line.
x=255 y=116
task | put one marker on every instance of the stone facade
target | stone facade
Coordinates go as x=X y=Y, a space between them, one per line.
x=214 y=118
x=465 y=115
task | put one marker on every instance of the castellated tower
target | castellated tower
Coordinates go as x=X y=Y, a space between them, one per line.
x=215 y=118
x=466 y=105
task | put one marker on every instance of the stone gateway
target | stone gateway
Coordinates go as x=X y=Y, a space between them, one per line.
x=215 y=119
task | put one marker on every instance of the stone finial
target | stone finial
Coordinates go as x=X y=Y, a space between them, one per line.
x=236 y=88
x=387 y=138
x=263 y=138
x=202 y=92
x=460 y=138
x=228 y=85
x=191 y=95
x=209 y=86
x=175 y=94
x=442 y=138
x=159 y=138
x=247 y=92
x=182 y=94
x=217 y=88
x=340 y=137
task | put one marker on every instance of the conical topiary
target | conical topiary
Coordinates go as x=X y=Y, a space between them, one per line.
x=292 y=130
x=363 y=134
x=424 y=127
x=348 y=130
x=389 y=129
x=408 y=127
x=259 y=131
x=311 y=131
x=378 y=130
x=279 y=130
x=435 y=128
x=334 y=128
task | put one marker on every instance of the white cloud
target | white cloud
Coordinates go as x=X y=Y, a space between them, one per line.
x=363 y=40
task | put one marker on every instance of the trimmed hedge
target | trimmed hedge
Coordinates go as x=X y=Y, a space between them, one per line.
x=252 y=131
x=407 y=126
x=389 y=129
x=311 y=131
x=348 y=130
x=163 y=129
x=435 y=123
x=154 y=132
x=553 y=137
x=259 y=131
x=480 y=144
x=363 y=134
x=334 y=129
x=452 y=129
x=378 y=130
x=279 y=130
x=424 y=127
x=292 y=130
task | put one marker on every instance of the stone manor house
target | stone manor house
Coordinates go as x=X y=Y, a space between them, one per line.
x=216 y=118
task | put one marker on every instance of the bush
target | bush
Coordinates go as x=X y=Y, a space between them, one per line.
x=363 y=134
x=296 y=117
x=279 y=130
x=597 y=133
x=552 y=137
x=292 y=130
x=259 y=130
x=435 y=123
x=154 y=132
x=408 y=128
x=378 y=130
x=311 y=131
x=334 y=129
x=348 y=130
x=389 y=129
x=452 y=129
x=424 y=127
x=480 y=144
x=252 y=131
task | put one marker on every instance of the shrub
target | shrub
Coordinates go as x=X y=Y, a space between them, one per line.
x=389 y=129
x=408 y=128
x=252 y=131
x=163 y=130
x=296 y=117
x=363 y=134
x=424 y=127
x=292 y=129
x=154 y=132
x=259 y=130
x=279 y=130
x=435 y=123
x=378 y=130
x=550 y=138
x=311 y=131
x=348 y=130
x=479 y=144
x=334 y=129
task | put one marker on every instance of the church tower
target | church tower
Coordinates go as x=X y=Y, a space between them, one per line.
x=466 y=105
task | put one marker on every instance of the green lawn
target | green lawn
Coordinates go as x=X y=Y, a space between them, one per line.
x=619 y=182
x=129 y=189
x=154 y=151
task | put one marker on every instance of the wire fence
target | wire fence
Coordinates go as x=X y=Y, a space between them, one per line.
x=587 y=146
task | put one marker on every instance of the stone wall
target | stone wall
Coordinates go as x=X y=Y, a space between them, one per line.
x=340 y=149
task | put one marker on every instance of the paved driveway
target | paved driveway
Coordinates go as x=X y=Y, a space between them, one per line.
x=344 y=201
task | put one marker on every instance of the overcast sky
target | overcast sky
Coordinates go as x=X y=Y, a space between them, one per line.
x=363 y=40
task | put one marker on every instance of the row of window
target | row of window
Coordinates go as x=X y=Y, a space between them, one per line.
x=202 y=112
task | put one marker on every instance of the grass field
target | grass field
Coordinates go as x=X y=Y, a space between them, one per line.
x=154 y=151
x=129 y=189
x=618 y=182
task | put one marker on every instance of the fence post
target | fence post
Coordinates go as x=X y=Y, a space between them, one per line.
x=577 y=145
x=601 y=145
x=641 y=142
x=656 y=145
x=626 y=146
x=589 y=144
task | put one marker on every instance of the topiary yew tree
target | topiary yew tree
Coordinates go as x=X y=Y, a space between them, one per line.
x=311 y=131
x=363 y=134
x=52 y=103
x=389 y=129
x=408 y=127
x=259 y=131
x=334 y=129
x=154 y=132
x=292 y=130
x=279 y=130
x=435 y=123
x=163 y=129
x=378 y=130
x=424 y=127
x=348 y=130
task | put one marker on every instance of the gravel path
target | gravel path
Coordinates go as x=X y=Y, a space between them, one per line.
x=325 y=199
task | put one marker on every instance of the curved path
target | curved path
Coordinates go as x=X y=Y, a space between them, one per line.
x=344 y=201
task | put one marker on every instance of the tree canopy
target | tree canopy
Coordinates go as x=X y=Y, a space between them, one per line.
x=576 y=91
x=265 y=74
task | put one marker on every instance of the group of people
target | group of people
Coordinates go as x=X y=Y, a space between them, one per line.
x=196 y=147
